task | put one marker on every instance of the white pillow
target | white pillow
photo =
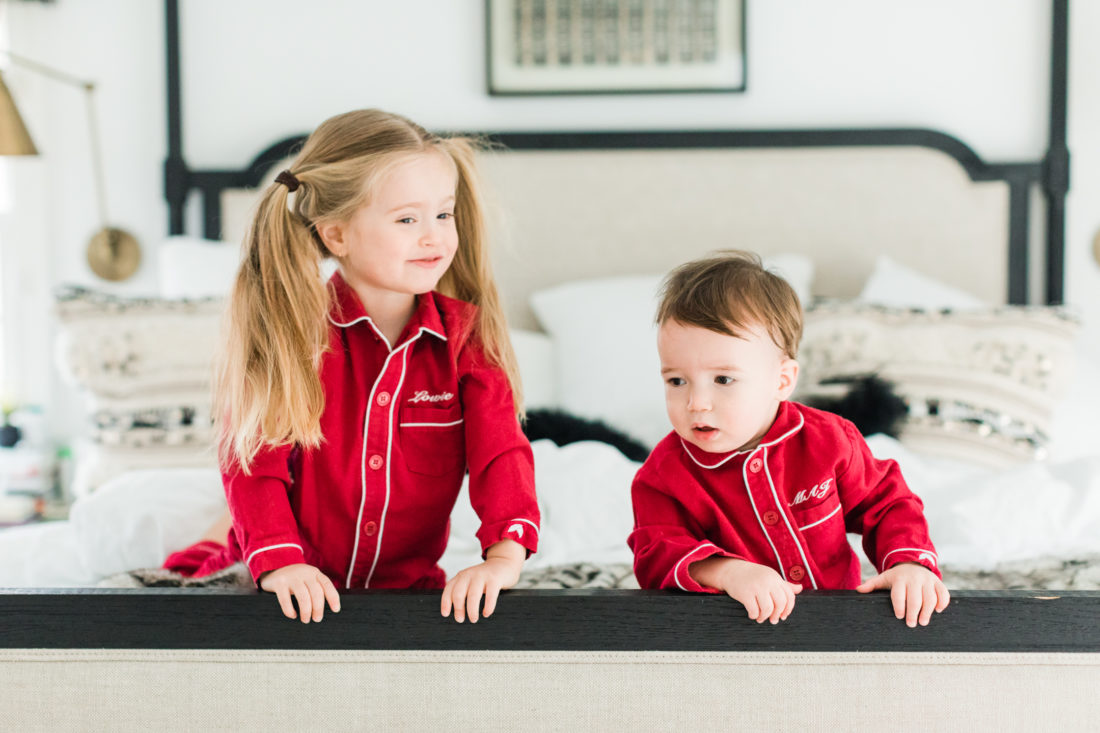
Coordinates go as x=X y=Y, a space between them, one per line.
x=605 y=341
x=138 y=518
x=191 y=267
x=535 y=356
x=894 y=284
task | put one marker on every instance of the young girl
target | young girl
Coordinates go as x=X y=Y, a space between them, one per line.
x=350 y=411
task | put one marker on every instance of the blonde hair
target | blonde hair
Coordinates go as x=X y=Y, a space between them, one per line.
x=267 y=390
x=728 y=292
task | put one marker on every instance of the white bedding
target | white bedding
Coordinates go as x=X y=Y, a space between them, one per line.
x=980 y=518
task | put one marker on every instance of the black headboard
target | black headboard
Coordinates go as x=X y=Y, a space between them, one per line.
x=1051 y=173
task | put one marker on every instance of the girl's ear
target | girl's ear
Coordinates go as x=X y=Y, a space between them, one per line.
x=788 y=378
x=332 y=234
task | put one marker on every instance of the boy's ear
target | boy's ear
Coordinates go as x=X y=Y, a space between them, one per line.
x=332 y=234
x=788 y=378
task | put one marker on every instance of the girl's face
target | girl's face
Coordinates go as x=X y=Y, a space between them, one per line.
x=722 y=392
x=404 y=238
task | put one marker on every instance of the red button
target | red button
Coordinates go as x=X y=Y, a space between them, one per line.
x=771 y=518
x=383 y=398
x=796 y=573
x=755 y=465
x=375 y=462
x=370 y=528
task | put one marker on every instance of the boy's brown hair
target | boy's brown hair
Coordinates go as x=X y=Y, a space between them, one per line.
x=730 y=291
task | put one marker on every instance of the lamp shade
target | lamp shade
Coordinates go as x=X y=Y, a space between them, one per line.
x=14 y=138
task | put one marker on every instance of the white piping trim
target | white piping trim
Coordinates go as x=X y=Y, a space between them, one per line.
x=814 y=524
x=429 y=424
x=782 y=513
x=433 y=333
x=386 y=341
x=404 y=348
x=271 y=547
x=363 y=456
x=525 y=521
x=676 y=570
x=784 y=436
x=882 y=569
x=745 y=476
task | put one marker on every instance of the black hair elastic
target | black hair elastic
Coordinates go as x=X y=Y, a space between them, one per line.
x=289 y=180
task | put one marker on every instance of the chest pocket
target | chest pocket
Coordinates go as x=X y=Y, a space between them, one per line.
x=433 y=439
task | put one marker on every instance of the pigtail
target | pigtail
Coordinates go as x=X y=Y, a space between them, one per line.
x=470 y=276
x=266 y=389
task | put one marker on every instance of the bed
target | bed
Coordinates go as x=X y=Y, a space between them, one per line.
x=917 y=261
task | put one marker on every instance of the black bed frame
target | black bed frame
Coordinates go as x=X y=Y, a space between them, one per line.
x=591 y=620
x=1051 y=173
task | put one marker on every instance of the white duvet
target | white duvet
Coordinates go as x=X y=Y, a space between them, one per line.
x=978 y=517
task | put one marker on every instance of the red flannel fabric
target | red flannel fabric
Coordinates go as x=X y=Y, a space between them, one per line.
x=371 y=506
x=787 y=504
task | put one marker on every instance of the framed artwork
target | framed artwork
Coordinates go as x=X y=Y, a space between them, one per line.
x=615 y=46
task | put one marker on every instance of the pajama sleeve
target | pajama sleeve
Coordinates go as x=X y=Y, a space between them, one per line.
x=880 y=506
x=262 y=518
x=664 y=541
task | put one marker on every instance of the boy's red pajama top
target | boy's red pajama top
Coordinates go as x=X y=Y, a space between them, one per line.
x=787 y=504
x=371 y=506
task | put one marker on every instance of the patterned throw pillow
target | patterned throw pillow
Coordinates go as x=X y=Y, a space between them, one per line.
x=981 y=384
x=144 y=365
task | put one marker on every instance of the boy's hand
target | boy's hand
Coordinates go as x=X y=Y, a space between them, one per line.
x=305 y=583
x=765 y=595
x=914 y=589
x=500 y=571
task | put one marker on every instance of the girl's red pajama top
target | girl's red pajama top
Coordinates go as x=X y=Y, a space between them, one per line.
x=787 y=504
x=370 y=507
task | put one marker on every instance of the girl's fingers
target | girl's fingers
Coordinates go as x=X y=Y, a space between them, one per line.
x=473 y=598
x=445 y=599
x=317 y=600
x=305 y=604
x=331 y=594
x=283 y=594
x=752 y=607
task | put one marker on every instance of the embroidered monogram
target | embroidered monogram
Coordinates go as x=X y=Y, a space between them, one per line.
x=927 y=556
x=422 y=395
x=516 y=529
x=816 y=492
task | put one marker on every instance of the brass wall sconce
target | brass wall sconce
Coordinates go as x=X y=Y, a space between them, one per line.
x=113 y=254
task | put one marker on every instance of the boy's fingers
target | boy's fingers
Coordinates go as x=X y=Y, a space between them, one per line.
x=779 y=599
x=790 y=604
x=928 y=604
x=796 y=587
x=943 y=597
x=913 y=600
x=458 y=598
x=473 y=599
x=445 y=599
x=752 y=608
x=766 y=607
x=897 y=597
x=491 y=595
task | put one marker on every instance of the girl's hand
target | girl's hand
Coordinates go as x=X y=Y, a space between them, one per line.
x=765 y=595
x=914 y=589
x=305 y=583
x=500 y=571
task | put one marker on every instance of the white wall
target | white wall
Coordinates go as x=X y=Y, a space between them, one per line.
x=256 y=70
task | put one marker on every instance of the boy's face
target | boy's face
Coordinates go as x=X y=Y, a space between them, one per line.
x=722 y=392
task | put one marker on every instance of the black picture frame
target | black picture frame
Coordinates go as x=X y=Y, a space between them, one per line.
x=547 y=47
